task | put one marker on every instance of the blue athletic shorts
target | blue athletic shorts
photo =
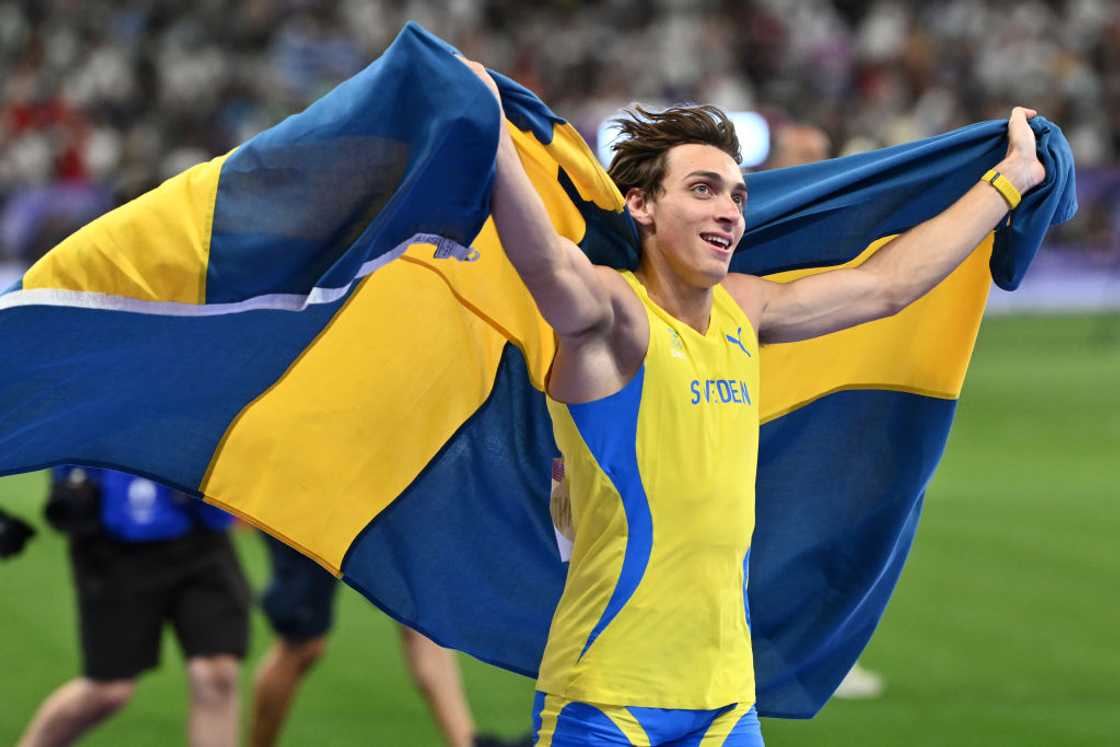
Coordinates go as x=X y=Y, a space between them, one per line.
x=299 y=600
x=558 y=722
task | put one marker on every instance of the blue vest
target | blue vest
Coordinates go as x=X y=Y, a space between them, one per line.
x=136 y=509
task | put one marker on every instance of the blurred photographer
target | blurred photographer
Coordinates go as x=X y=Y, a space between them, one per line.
x=142 y=555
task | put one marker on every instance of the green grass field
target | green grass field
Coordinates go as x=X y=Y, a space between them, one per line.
x=1005 y=628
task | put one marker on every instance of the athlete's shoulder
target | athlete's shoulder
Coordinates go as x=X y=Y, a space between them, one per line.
x=749 y=292
x=628 y=311
x=614 y=279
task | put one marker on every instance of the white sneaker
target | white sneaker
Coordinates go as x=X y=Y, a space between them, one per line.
x=860 y=684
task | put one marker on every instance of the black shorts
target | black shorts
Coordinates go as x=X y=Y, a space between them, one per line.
x=127 y=590
x=299 y=600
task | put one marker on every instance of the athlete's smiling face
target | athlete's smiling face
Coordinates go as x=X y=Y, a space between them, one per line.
x=696 y=221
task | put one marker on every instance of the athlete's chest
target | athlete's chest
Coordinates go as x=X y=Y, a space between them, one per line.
x=702 y=378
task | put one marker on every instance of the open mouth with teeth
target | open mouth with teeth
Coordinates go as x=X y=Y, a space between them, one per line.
x=720 y=242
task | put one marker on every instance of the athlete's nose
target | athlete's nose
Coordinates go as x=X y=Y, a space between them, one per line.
x=729 y=213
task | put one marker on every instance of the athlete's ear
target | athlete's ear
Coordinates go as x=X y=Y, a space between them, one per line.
x=640 y=207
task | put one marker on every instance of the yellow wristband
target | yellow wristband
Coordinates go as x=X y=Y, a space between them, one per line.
x=1004 y=186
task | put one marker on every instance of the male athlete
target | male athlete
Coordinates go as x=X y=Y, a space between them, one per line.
x=653 y=399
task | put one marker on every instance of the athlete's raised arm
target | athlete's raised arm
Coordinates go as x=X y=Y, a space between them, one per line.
x=904 y=270
x=569 y=291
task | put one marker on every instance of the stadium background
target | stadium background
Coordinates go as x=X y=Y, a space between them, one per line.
x=1003 y=630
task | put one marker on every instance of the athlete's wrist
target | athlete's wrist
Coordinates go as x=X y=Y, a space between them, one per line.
x=1024 y=173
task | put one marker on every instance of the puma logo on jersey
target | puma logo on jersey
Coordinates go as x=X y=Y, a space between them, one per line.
x=737 y=339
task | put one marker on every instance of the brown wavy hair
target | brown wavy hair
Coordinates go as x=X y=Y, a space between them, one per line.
x=640 y=152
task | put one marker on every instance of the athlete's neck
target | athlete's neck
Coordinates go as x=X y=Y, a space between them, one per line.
x=684 y=301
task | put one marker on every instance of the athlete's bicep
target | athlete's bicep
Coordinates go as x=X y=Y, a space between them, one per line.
x=819 y=304
x=569 y=292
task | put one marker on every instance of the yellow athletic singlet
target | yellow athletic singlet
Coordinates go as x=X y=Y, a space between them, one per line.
x=662 y=478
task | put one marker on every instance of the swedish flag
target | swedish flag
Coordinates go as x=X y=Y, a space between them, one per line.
x=321 y=333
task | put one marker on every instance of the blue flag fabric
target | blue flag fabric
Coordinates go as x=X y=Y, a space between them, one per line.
x=320 y=333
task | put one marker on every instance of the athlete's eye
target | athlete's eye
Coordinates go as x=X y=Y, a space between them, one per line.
x=702 y=189
x=739 y=198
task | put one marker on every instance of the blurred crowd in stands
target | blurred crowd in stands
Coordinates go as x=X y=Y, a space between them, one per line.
x=101 y=100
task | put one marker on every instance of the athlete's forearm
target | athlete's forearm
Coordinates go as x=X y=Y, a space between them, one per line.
x=915 y=262
x=559 y=276
x=925 y=255
x=527 y=233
